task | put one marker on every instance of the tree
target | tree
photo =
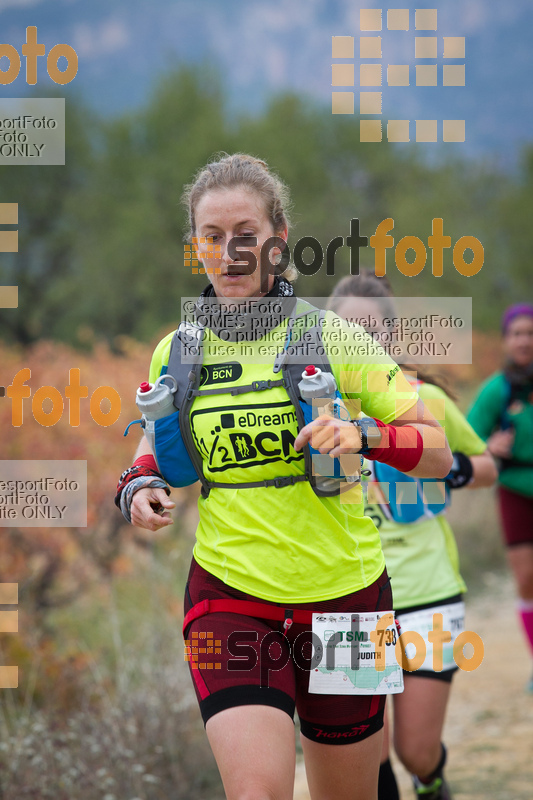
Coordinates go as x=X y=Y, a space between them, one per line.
x=48 y=230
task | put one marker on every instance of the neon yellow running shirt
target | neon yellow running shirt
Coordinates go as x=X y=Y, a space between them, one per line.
x=288 y=544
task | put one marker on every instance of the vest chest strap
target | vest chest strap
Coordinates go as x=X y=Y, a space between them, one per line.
x=278 y=483
x=255 y=386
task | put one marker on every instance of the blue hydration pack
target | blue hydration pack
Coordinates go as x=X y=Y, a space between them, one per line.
x=407 y=495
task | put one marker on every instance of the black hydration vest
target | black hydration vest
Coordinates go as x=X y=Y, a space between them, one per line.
x=303 y=345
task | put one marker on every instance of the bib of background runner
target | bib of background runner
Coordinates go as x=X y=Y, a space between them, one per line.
x=453 y=620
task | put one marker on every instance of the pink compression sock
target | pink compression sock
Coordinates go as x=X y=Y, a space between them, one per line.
x=525 y=609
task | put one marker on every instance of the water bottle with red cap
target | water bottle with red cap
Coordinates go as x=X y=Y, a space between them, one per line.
x=157 y=401
x=154 y=402
x=319 y=390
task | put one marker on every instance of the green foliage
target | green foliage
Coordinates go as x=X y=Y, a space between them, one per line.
x=101 y=239
x=43 y=268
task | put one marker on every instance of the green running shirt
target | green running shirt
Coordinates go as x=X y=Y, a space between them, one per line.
x=485 y=416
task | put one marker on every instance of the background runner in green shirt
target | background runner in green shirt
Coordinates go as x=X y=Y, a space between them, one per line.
x=502 y=414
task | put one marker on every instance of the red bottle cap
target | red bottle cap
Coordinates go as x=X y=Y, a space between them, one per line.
x=144 y=387
x=310 y=370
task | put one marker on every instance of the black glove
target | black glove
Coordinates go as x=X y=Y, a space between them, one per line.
x=461 y=472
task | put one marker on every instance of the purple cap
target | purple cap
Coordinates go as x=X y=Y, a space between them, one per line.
x=518 y=310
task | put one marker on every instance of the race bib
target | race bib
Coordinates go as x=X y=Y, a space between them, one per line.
x=355 y=654
x=453 y=620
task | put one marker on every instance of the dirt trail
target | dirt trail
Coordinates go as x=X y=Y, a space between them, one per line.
x=489 y=729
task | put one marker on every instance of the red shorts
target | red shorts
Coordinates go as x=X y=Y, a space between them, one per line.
x=250 y=661
x=516 y=512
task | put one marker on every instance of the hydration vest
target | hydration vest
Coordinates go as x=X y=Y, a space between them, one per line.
x=177 y=455
x=406 y=495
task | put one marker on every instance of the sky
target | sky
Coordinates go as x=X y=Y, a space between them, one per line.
x=262 y=48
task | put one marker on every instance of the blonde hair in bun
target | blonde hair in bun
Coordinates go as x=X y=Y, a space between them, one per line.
x=240 y=169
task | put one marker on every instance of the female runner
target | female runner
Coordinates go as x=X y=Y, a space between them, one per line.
x=502 y=414
x=275 y=545
x=421 y=558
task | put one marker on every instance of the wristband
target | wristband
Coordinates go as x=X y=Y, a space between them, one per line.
x=401 y=447
x=143 y=467
x=461 y=472
x=146 y=461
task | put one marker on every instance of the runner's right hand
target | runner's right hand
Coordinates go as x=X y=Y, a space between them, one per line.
x=149 y=509
x=500 y=443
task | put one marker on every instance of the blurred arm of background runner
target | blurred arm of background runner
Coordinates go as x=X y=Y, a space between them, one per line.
x=501 y=443
x=485 y=415
x=472 y=472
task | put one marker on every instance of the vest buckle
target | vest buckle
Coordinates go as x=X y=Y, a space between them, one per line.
x=284 y=480
x=258 y=386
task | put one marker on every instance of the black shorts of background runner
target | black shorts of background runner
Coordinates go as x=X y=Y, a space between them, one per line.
x=330 y=719
x=445 y=675
x=516 y=512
